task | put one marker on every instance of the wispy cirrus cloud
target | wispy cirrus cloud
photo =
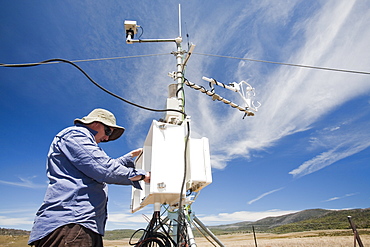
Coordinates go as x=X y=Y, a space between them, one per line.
x=327 y=158
x=24 y=182
x=263 y=195
x=339 y=142
x=340 y=197
x=294 y=99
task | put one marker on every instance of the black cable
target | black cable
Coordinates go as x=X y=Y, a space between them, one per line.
x=151 y=237
x=142 y=31
x=149 y=242
x=95 y=83
x=103 y=59
x=181 y=218
x=129 y=242
x=182 y=99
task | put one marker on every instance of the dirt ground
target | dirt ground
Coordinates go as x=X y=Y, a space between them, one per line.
x=303 y=239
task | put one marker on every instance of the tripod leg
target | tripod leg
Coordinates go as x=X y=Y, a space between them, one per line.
x=208 y=231
x=191 y=238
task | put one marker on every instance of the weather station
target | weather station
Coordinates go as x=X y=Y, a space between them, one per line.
x=180 y=162
x=180 y=166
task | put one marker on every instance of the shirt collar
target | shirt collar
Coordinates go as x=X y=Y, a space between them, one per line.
x=94 y=132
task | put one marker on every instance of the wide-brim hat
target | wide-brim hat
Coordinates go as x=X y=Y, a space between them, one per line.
x=105 y=117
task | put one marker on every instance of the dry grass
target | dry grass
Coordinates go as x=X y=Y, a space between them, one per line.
x=299 y=239
x=306 y=239
x=13 y=241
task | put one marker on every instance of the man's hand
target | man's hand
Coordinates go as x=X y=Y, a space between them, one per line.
x=138 y=178
x=136 y=152
x=147 y=178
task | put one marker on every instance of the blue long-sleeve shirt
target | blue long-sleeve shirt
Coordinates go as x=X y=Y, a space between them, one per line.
x=78 y=171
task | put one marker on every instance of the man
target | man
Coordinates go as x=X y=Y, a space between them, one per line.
x=74 y=210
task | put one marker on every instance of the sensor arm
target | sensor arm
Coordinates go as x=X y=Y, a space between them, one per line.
x=218 y=97
x=238 y=87
x=234 y=87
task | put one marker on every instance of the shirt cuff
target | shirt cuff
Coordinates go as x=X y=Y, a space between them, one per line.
x=136 y=185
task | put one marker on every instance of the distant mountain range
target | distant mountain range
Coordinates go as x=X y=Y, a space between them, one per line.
x=13 y=232
x=311 y=219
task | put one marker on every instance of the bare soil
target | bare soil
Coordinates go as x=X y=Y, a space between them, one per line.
x=299 y=239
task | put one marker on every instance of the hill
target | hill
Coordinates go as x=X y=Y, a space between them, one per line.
x=331 y=220
x=311 y=219
x=306 y=220
x=119 y=234
x=13 y=232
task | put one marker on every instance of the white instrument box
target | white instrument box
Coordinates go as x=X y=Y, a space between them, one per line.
x=164 y=156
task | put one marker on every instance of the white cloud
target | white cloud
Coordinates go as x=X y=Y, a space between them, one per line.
x=128 y=220
x=25 y=182
x=15 y=221
x=120 y=217
x=332 y=199
x=293 y=99
x=19 y=218
x=340 y=197
x=263 y=195
x=219 y=161
x=347 y=141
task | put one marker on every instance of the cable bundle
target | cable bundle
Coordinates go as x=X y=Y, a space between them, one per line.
x=152 y=237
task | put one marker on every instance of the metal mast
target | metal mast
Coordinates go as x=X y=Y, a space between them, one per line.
x=166 y=140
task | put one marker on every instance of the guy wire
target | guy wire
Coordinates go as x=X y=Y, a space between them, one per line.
x=287 y=64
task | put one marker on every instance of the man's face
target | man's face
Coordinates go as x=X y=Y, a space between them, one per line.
x=103 y=130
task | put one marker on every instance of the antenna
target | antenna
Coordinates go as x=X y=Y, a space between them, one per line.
x=180 y=33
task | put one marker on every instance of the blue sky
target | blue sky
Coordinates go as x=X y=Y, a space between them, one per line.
x=307 y=146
